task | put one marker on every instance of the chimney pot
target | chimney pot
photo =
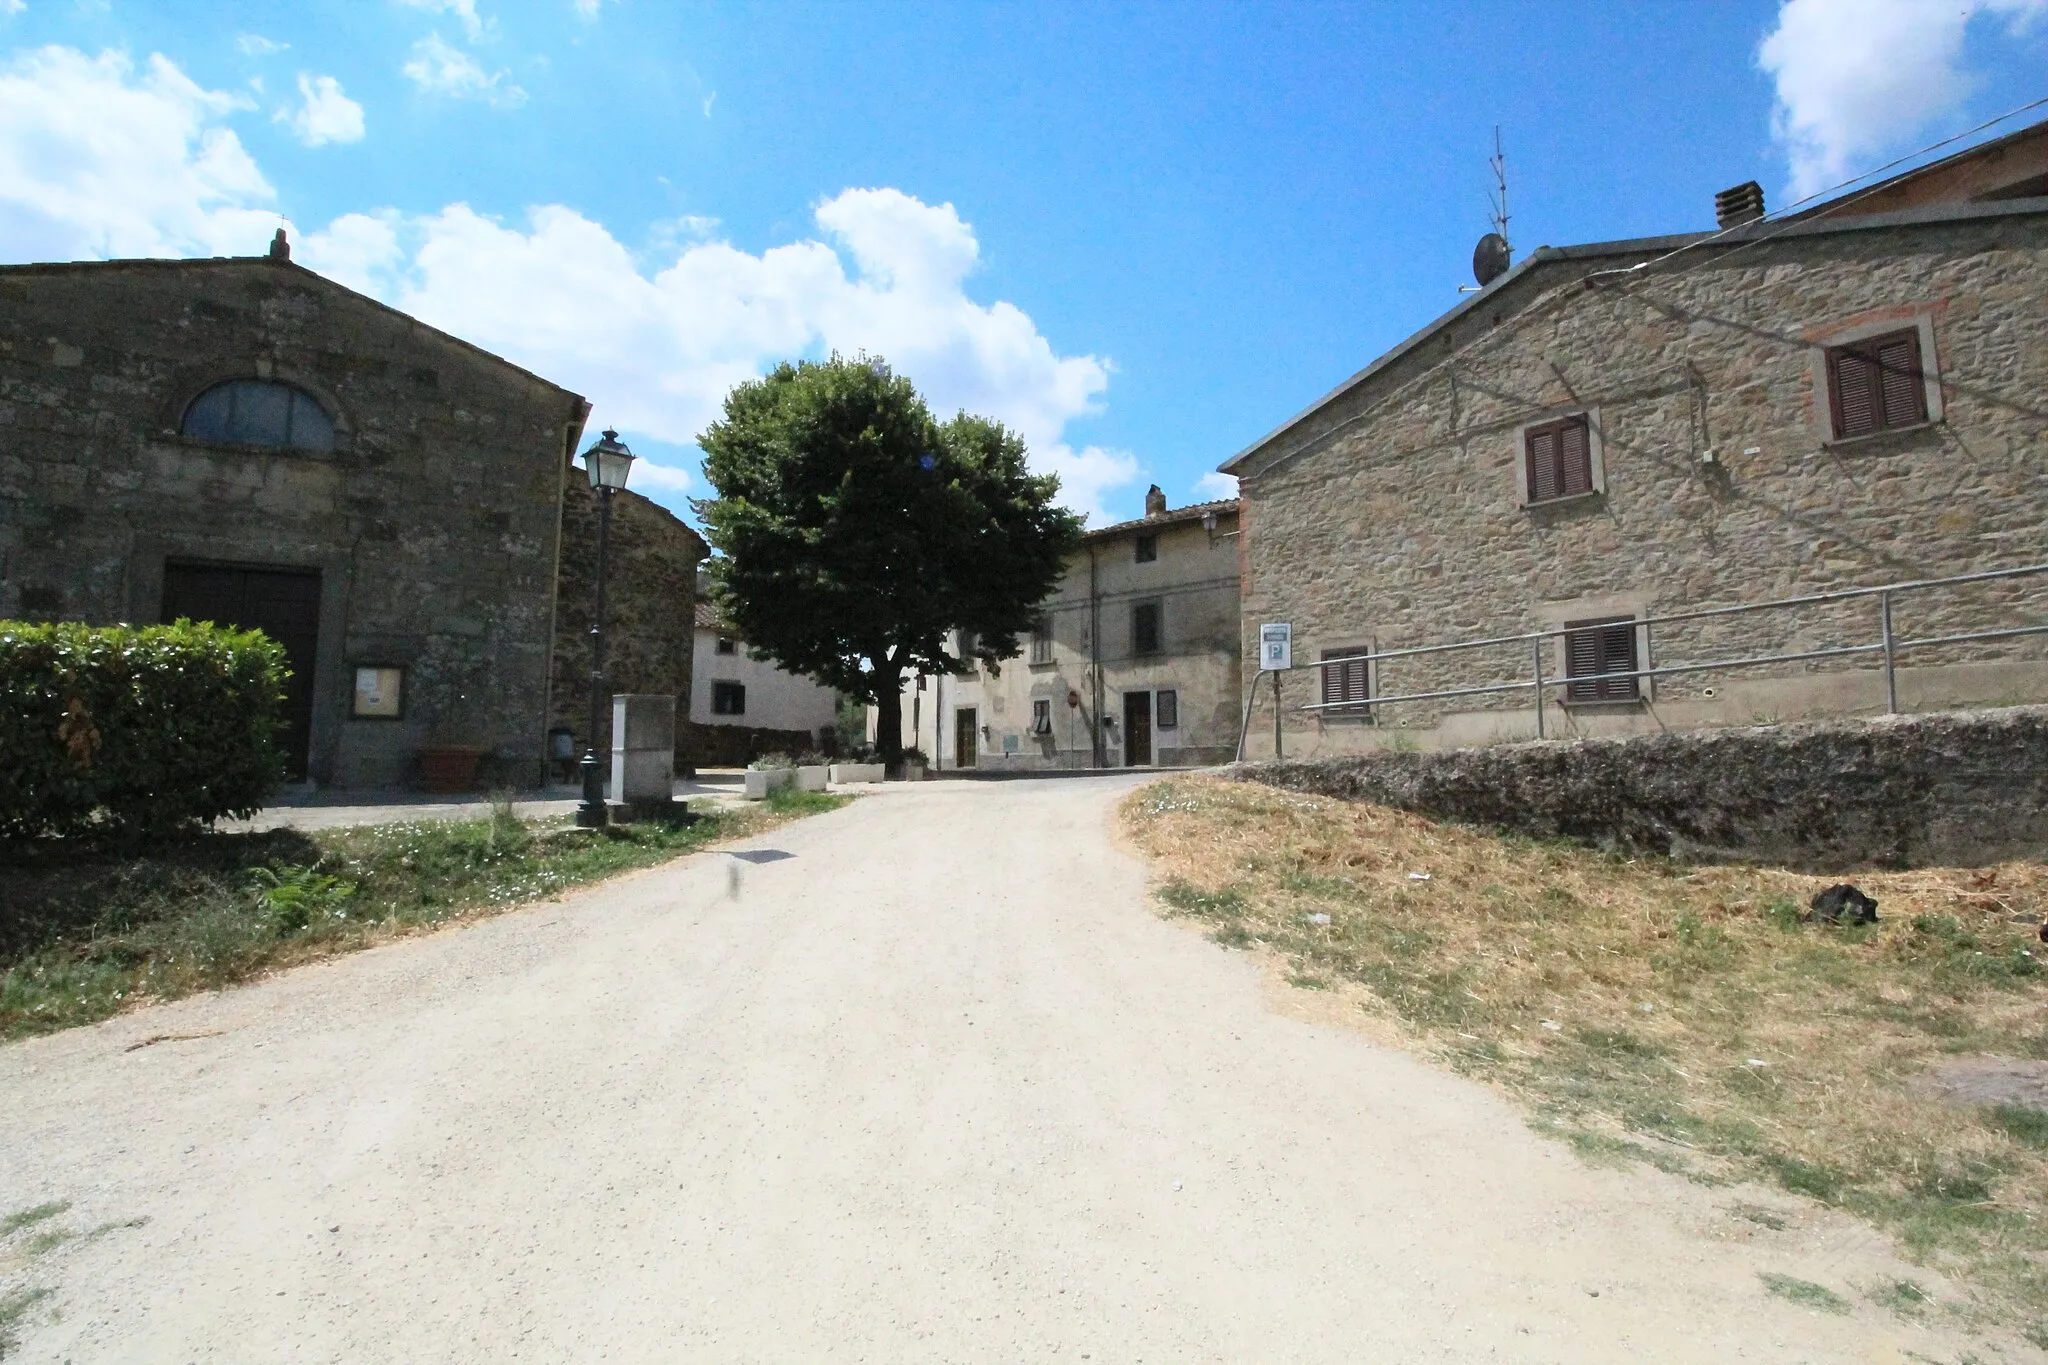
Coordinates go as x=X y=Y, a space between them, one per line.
x=1155 y=502
x=1739 y=204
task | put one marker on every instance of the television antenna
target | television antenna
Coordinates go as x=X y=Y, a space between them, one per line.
x=1494 y=254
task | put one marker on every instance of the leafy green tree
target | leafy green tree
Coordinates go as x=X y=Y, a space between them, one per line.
x=856 y=533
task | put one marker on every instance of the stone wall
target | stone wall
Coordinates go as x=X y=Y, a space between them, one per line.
x=1388 y=516
x=1963 y=788
x=432 y=523
x=650 y=608
x=735 y=746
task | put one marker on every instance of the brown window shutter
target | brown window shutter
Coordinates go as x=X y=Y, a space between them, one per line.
x=1542 y=446
x=1857 y=411
x=1575 y=459
x=1593 y=649
x=1905 y=395
x=1347 y=682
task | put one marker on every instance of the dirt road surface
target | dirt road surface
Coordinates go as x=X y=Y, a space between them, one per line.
x=925 y=1079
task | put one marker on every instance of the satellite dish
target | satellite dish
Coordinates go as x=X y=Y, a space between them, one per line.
x=1490 y=259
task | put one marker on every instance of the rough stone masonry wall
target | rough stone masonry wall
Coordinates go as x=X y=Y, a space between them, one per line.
x=1963 y=788
x=650 y=609
x=433 y=522
x=1390 y=517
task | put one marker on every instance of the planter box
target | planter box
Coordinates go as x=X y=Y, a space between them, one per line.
x=761 y=781
x=913 y=772
x=857 y=772
x=449 y=768
x=811 y=777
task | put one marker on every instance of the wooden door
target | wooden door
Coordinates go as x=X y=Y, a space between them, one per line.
x=965 y=731
x=282 y=603
x=1137 y=729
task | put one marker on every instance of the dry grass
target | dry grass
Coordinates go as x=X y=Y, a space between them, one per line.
x=1667 y=1012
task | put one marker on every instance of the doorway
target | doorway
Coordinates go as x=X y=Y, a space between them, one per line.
x=1137 y=729
x=965 y=731
x=282 y=603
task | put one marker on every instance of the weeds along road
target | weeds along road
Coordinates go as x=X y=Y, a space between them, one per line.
x=925 y=1079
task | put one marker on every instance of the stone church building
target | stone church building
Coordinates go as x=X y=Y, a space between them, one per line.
x=242 y=440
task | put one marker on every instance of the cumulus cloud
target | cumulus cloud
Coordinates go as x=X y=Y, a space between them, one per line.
x=440 y=68
x=324 y=114
x=1859 y=78
x=98 y=159
x=464 y=10
x=587 y=9
x=1215 y=486
x=658 y=349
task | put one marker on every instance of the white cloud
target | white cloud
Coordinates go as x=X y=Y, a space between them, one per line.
x=99 y=160
x=587 y=9
x=325 y=115
x=647 y=474
x=442 y=69
x=1858 y=78
x=256 y=45
x=658 y=350
x=472 y=23
x=1215 y=486
x=10 y=8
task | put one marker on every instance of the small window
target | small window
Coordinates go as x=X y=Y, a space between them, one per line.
x=1877 y=385
x=1348 y=681
x=1041 y=640
x=1145 y=632
x=728 y=645
x=1557 y=459
x=1148 y=549
x=1041 y=717
x=259 y=412
x=379 y=693
x=1595 y=649
x=728 y=699
x=1166 y=709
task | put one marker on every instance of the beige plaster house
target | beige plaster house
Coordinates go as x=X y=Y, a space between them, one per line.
x=1613 y=432
x=1134 y=662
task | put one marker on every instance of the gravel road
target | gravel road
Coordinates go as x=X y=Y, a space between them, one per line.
x=925 y=1079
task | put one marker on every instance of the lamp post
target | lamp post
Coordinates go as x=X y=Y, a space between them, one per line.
x=607 y=463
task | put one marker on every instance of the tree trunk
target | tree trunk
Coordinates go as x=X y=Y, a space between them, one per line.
x=889 y=714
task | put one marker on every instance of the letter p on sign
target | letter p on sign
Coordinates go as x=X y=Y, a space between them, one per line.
x=1276 y=647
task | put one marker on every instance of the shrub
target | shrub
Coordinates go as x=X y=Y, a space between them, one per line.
x=137 y=730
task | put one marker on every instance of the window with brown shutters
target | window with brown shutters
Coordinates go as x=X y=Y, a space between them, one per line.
x=1595 y=649
x=1557 y=459
x=1877 y=385
x=1347 y=679
x=1146 y=636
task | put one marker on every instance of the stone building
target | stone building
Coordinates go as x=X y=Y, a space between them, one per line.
x=1611 y=432
x=242 y=440
x=650 y=586
x=1134 y=662
x=743 y=706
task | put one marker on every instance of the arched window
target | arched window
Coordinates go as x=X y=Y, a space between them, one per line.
x=259 y=412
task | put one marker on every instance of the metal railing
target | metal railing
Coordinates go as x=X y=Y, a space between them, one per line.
x=1888 y=643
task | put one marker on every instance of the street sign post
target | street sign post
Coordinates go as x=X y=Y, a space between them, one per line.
x=1276 y=647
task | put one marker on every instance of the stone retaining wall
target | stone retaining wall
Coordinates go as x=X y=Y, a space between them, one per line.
x=1968 y=787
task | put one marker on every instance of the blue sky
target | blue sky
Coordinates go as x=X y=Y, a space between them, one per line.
x=1143 y=234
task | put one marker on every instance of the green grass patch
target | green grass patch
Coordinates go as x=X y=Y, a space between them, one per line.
x=13 y=1308
x=1904 y=1297
x=15 y=1222
x=94 y=934
x=1805 y=1293
x=2021 y=1123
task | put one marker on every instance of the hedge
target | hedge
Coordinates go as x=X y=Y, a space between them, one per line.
x=135 y=730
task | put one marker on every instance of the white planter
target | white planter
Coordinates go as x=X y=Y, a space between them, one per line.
x=913 y=772
x=811 y=777
x=761 y=781
x=857 y=772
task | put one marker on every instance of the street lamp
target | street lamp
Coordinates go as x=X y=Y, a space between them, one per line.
x=607 y=462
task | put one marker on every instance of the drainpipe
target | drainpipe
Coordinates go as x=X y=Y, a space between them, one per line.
x=1100 y=758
